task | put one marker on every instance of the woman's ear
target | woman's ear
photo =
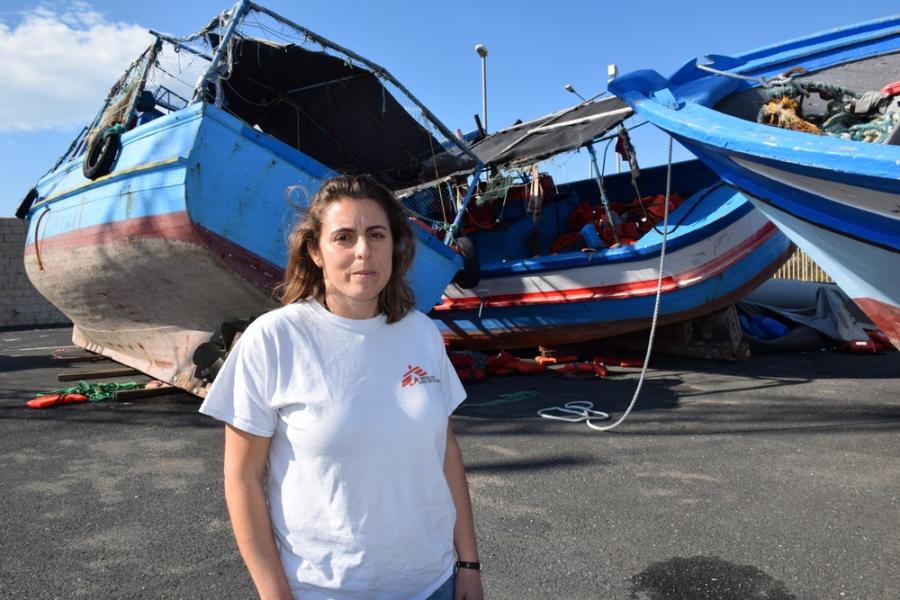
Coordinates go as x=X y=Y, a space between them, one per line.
x=315 y=255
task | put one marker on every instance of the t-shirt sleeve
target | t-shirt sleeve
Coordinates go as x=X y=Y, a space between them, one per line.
x=454 y=393
x=240 y=394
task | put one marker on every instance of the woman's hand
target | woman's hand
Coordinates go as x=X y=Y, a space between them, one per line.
x=468 y=585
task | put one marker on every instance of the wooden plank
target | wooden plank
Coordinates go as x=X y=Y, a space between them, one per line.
x=79 y=375
x=77 y=359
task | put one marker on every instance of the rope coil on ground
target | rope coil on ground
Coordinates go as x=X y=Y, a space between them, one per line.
x=582 y=410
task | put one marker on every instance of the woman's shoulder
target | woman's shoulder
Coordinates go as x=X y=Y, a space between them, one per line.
x=277 y=321
x=420 y=322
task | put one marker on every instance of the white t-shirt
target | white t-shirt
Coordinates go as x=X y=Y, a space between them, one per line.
x=357 y=411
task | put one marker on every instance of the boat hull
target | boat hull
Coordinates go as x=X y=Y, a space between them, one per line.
x=853 y=263
x=146 y=292
x=189 y=231
x=725 y=255
x=837 y=199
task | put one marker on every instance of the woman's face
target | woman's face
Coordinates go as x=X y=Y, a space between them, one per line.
x=355 y=254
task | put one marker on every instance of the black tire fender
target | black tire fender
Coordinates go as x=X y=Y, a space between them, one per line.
x=470 y=275
x=101 y=153
x=25 y=207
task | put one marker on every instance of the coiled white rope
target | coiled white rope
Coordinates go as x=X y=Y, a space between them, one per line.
x=583 y=409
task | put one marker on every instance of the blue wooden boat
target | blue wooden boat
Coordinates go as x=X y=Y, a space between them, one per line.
x=168 y=216
x=836 y=196
x=544 y=283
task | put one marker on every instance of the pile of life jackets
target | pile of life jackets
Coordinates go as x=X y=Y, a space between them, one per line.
x=475 y=366
x=630 y=222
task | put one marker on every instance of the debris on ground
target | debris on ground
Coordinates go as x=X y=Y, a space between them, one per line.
x=83 y=392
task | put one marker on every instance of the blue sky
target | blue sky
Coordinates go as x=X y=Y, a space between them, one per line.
x=58 y=59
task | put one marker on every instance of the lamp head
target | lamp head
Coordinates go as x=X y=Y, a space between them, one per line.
x=481 y=49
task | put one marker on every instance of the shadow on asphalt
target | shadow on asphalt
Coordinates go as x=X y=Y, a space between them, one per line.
x=531 y=464
x=706 y=578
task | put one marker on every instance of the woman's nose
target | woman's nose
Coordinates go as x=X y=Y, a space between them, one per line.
x=362 y=247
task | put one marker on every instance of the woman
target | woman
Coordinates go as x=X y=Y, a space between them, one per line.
x=345 y=393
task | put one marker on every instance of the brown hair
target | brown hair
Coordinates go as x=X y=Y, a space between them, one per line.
x=304 y=279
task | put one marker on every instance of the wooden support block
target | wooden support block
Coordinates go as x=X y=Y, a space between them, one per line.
x=123 y=395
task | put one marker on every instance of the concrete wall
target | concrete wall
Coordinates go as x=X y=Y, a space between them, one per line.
x=20 y=304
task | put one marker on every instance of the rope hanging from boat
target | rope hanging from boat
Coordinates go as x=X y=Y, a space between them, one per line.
x=584 y=411
x=659 y=280
x=37 y=238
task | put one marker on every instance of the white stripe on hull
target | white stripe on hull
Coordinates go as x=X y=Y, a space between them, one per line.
x=686 y=259
x=883 y=204
x=861 y=270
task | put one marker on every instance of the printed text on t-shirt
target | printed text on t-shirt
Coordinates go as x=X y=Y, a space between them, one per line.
x=416 y=375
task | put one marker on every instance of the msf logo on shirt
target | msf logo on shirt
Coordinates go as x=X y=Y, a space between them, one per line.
x=416 y=375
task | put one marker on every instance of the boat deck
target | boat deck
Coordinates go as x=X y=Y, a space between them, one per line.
x=774 y=478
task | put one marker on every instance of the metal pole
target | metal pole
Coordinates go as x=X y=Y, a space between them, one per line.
x=482 y=51
x=603 y=197
x=212 y=73
x=612 y=71
x=484 y=92
x=457 y=222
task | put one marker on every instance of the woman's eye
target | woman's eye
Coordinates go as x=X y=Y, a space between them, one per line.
x=378 y=235
x=343 y=237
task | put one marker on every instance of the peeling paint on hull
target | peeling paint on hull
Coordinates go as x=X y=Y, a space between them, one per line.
x=146 y=301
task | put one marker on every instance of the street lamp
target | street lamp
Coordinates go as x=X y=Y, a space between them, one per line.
x=571 y=90
x=482 y=51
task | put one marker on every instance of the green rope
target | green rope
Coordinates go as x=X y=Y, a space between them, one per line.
x=96 y=391
x=875 y=131
x=508 y=398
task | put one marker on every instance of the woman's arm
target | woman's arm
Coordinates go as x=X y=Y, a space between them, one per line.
x=245 y=466
x=468 y=581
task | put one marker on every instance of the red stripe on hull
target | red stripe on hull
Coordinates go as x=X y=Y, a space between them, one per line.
x=885 y=316
x=176 y=226
x=172 y=226
x=557 y=336
x=619 y=290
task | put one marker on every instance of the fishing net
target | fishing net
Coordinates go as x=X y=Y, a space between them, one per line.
x=871 y=116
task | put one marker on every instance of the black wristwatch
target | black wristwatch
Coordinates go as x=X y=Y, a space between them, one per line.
x=462 y=564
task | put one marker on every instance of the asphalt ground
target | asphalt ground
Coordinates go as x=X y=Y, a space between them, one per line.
x=778 y=478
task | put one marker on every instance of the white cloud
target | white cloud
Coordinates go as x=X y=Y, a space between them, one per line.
x=56 y=66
